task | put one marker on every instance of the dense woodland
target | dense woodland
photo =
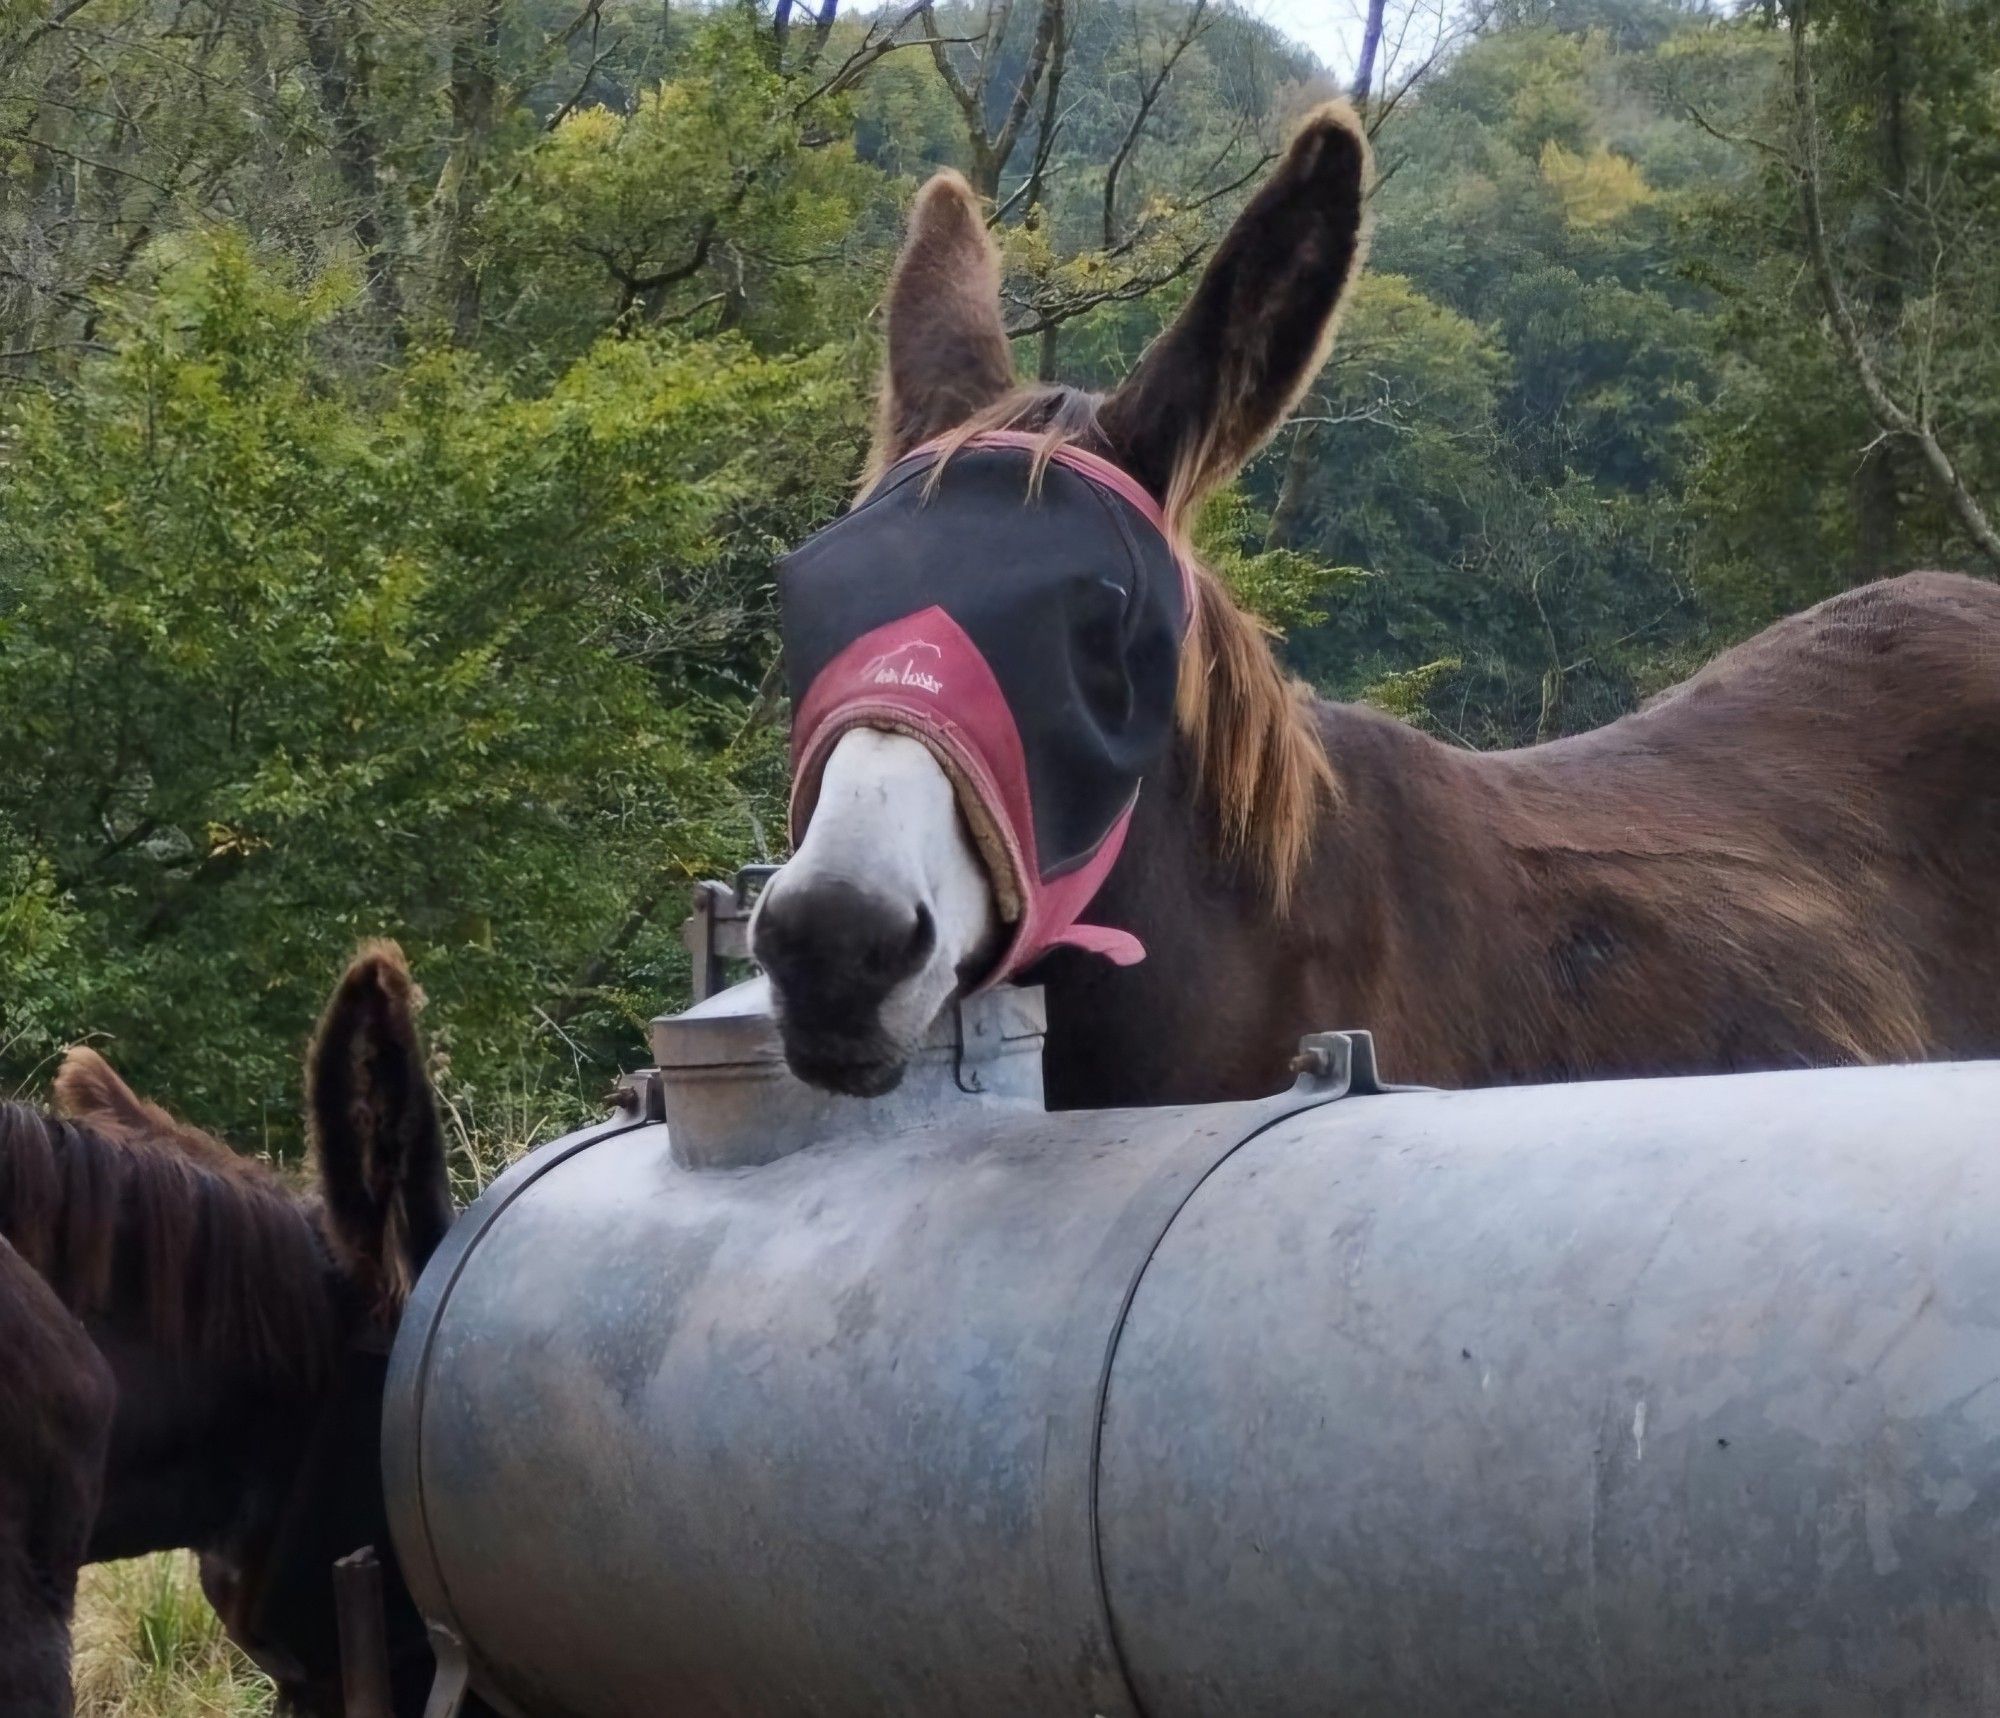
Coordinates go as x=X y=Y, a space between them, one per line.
x=402 y=405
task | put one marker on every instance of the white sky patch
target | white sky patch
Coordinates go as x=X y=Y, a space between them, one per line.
x=1329 y=28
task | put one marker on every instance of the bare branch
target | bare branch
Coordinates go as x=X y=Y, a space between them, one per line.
x=1739 y=139
x=1047 y=27
x=968 y=103
x=693 y=310
x=48 y=27
x=1054 y=315
x=583 y=84
x=1149 y=94
x=54 y=346
x=874 y=47
x=1051 y=125
x=1889 y=413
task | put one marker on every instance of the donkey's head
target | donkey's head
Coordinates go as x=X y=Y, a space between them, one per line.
x=269 y=1463
x=998 y=644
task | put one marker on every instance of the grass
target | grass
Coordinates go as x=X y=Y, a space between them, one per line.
x=148 y=1646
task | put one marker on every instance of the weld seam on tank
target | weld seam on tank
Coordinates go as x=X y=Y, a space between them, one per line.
x=1169 y=1191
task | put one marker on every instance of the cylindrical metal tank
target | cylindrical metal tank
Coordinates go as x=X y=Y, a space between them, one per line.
x=1659 y=1398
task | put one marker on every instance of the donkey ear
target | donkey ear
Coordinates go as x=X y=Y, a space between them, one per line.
x=89 y=1090
x=948 y=353
x=375 y=1128
x=1219 y=382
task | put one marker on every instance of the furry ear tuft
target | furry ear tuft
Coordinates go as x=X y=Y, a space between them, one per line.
x=948 y=355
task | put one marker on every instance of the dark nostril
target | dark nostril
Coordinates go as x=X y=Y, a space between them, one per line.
x=833 y=948
x=923 y=939
x=896 y=942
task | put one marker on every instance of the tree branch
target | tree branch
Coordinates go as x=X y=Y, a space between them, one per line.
x=1047 y=131
x=1046 y=28
x=48 y=27
x=1149 y=93
x=1889 y=413
x=1739 y=139
x=873 y=48
x=1054 y=315
x=968 y=103
x=583 y=84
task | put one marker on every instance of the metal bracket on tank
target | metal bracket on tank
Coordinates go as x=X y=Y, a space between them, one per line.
x=641 y=1094
x=718 y=930
x=454 y=1674
x=980 y=1040
x=1344 y=1062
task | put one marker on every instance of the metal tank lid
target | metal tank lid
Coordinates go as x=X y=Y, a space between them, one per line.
x=730 y=1102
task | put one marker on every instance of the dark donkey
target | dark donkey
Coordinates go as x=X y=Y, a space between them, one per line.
x=193 y=1356
x=1792 y=858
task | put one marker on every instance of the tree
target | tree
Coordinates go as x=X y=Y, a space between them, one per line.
x=287 y=668
x=1898 y=421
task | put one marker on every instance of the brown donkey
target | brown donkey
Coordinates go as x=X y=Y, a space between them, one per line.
x=194 y=1356
x=1792 y=858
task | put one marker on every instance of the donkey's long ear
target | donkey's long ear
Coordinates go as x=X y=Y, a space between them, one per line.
x=1220 y=381
x=375 y=1128
x=89 y=1090
x=948 y=353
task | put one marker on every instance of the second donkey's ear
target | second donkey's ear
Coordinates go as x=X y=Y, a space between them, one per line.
x=948 y=353
x=1217 y=384
x=375 y=1129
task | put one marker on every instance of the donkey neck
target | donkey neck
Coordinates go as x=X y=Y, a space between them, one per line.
x=1388 y=929
x=191 y=1439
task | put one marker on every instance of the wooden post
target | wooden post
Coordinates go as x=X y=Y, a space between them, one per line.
x=364 y=1646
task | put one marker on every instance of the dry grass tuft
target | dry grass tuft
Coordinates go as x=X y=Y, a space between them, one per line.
x=148 y=1646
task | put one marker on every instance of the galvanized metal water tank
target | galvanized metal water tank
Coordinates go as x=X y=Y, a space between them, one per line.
x=1656 y=1398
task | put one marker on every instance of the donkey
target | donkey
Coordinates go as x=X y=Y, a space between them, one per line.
x=1793 y=857
x=194 y=1356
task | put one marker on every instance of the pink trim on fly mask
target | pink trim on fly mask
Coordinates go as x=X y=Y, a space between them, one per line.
x=922 y=676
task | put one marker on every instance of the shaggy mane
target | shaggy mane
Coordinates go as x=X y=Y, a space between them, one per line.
x=1262 y=774
x=206 y=1249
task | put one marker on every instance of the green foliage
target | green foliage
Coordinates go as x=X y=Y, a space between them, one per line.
x=402 y=409
x=1407 y=696
x=615 y=215
x=287 y=667
x=1798 y=494
x=1281 y=586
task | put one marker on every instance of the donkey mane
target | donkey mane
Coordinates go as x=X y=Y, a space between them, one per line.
x=1262 y=775
x=221 y=1264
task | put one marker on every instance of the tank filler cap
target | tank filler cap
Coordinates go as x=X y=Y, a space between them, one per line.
x=730 y=1102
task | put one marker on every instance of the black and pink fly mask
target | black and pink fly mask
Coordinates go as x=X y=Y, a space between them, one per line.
x=1028 y=635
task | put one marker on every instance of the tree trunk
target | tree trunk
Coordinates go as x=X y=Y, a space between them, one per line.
x=1286 y=514
x=1895 y=419
x=1371 y=46
x=475 y=102
x=1045 y=364
x=340 y=66
x=1878 y=484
